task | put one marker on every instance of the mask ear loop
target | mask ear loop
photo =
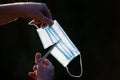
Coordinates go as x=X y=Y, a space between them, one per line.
x=33 y=23
x=81 y=69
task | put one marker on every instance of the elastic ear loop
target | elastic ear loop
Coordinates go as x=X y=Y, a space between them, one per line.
x=81 y=69
x=32 y=23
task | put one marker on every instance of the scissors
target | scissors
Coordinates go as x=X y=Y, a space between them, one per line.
x=41 y=59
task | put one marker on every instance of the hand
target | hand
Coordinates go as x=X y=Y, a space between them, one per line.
x=37 y=11
x=43 y=70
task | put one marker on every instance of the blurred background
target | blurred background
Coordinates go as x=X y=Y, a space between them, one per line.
x=92 y=25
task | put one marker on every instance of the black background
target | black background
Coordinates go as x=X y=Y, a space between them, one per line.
x=92 y=25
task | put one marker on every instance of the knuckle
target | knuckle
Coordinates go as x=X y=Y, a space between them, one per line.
x=44 y=4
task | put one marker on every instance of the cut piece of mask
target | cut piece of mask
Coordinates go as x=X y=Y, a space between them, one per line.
x=65 y=51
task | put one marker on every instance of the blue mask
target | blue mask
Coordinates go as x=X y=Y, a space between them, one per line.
x=65 y=51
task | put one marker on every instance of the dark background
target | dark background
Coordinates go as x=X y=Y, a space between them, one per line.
x=92 y=25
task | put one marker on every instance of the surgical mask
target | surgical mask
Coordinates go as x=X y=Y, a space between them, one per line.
x=65 y=50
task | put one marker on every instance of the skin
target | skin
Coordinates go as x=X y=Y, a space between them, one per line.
x=43 y=70
x=39 y=12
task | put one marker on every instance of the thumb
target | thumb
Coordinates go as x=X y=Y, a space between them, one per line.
x=48 y=20
x=45 y=19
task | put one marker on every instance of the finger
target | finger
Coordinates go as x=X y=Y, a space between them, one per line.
x=49 y=65
x=43 y=25
x=35 y=67
x=46 y=11
x=32 y=75
x=37 y=56
x=47 y=16
x=37 y=22
x=42 y=63
x=45 y=62
x=45 y=20
x=41 y=17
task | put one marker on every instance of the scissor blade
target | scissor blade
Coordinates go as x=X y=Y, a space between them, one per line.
x=41 y=59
